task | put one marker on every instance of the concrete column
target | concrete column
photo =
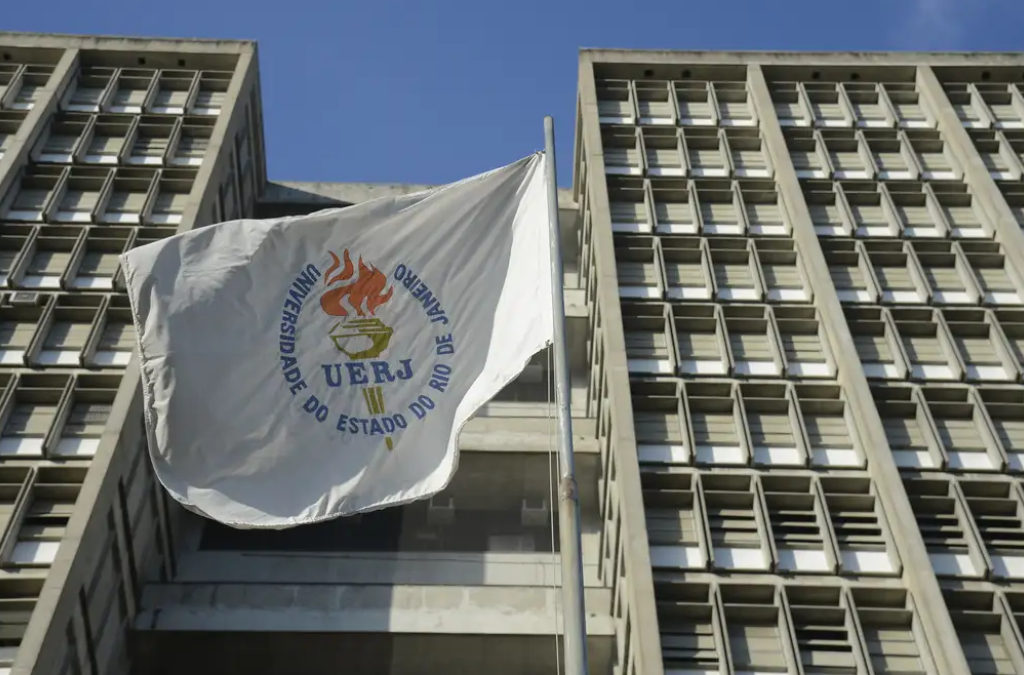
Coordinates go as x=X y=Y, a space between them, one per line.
x=976 y=174
x=645 y=635
x=918 y=575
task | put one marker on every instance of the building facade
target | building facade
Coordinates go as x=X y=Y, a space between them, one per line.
x=794 y=293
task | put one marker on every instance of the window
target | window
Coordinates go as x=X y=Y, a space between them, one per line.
x=66 y=336
x=907 y=105
x=673 y=520
x=763 y=209
x=81 y=196
x=687 y=271
x=1005 y=104
x=934 y=158
x=735 y=522
x=735 y=274
x=748 y=153
x=719 y=209
x=32 y=414
x=874 y=338
x=872 y=215
x=169 y=204
x=968 y=106
x=664 y=151
x=622 y=151
x=173 y=91
x=734 y=105
x=831 y=431
x=34 y=195
x=694 y=102
x=627 y=201
x=827 y=212
x=753 y=342
x=998 y=280
x=965 y=220
x=892 y=158
x=797 y=523
x=44 y=522
x=868 y=105
x=638 y=267
x=997 y=155
x=891 y=633
x=48 y=263
x=654 y=103
x=107 y=142
x=615 y=102
x=946 y=273
x=11 y=246
x=827 y=106
x=192 y=145
x=784 y=277
x=117 y=341
x=80 y=437
x=17 y=327
x=773 y=425
x=647 y=339
x=151 y=142
x=61 y=141
x=898 y=275
x=790 y=106
x=941 y=520
x=908 y=429
x=1005 y=407
x=131 y=91
x=706 y=153
x=962 y=430
x=674 y=209
x=212 y=94
x=100 y=261
x=918 y=214
x=824 y=636
x=87 y=93
x=804 y=343
x=33 y=81
x=128 y=195
x=859 y=526
x=927 y=344
x=659 y=423
x=805 y=150
x=714 y=417
x=850 y=273
x=687 y=619
x=753 y=623
x=984 y=352
x=999 y=518
x=987 y=640
x=701 y=340
x=848 y=156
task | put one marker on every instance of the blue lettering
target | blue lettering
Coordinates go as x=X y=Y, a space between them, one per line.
x=336 y=369
x=357 y=373
x=381 y=372
x=288 y=362
x=399 y=272
x=400 y=421
x=342 y=422
x=289 y=317
x=375 y=428
x=444 y=344
x=440 y=377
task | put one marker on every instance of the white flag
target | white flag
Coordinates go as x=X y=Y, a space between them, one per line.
x=299 y=369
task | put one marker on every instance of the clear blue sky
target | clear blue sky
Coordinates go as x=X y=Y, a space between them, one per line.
x=430 y=92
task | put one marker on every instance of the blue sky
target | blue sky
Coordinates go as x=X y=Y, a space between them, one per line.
x=430 y=92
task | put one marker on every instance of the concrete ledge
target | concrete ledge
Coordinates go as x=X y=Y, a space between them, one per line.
x=364 y=609
x=524 y=434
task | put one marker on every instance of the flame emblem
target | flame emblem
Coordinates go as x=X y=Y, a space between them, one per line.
x=362 y=296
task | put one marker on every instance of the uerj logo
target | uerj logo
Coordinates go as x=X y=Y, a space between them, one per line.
x=377 y=349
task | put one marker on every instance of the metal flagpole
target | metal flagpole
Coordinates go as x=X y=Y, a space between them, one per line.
x=574 y=627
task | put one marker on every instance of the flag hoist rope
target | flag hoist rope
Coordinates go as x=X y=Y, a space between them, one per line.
x=574 y=622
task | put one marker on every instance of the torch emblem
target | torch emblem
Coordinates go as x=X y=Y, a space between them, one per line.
x=359 y=334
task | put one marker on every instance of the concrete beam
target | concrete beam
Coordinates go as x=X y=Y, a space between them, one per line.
x=821 y=59
x=126 y=44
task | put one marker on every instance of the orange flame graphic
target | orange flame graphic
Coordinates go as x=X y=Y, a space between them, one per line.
x=364 y=295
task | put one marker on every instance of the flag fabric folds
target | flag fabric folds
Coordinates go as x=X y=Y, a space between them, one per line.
x=303 y=368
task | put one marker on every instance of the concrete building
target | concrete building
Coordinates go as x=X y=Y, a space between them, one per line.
x=795 y=306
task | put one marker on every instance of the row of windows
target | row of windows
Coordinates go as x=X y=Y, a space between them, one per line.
x=739 y=627
x=922 y=272
x=973 y=429
x=727 y=269
x=972 y=528
x=750 y=522
x=78 y=138
x=58 y=417
x=1002 y=152
x=986 y=106
x=890 y=210
x=850 y=104
x=20 y=85
x=947 y=345
x=657 y=151
x=144 y=90
x=766 y=425
x=69 y=331
x=685 y=102
x=68 y=257
x=138 y=196
x=868 y=154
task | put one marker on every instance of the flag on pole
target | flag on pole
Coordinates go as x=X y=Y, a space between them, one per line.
x=303 y=368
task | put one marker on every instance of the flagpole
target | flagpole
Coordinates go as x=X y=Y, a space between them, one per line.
x=574 y=628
